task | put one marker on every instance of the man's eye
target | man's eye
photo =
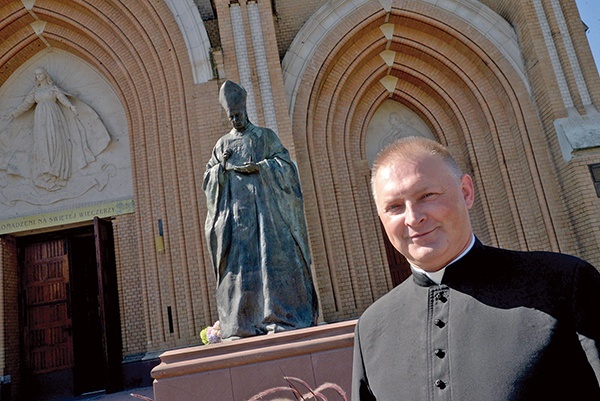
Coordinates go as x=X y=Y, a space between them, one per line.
x=394 y=208
x=430 y=195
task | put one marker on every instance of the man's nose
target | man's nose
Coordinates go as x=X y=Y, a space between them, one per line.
x=413 y=215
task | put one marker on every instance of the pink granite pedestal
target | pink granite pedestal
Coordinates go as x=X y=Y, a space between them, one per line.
x=238 y=370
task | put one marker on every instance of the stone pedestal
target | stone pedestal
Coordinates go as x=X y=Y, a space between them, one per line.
x=240 y=369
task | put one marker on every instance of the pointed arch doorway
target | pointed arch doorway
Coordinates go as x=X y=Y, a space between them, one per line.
x=71 y=341
x=469 y=89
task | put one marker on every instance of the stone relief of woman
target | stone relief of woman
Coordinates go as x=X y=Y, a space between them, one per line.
x=64 y=136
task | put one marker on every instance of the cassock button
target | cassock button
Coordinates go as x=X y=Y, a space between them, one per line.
x=439 y=353
x=440 y=384
x=440 y=297
x=439 y=323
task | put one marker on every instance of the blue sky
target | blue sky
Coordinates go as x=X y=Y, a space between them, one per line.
x=590 y=14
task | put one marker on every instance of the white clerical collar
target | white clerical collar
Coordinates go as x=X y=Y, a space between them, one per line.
x=437 y=276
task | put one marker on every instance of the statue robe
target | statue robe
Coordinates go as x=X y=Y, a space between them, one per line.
x=257 y=237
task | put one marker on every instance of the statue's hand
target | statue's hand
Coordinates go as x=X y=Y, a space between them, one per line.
x=226 y=155
x=248 y=167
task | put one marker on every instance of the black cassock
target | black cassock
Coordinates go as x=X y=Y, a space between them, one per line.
x=502 y=326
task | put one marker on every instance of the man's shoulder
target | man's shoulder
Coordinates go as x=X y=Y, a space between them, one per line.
x=392 y=299
x=534 y=263
x=534 y=257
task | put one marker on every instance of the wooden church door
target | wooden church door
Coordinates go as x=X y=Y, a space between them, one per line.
x=70 y=310
x=47 y=321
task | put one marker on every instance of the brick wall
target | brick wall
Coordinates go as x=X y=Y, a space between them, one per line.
x=289 y=17
x=10 y=333
x=567 y=185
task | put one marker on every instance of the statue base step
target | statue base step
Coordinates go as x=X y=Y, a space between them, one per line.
x=317 y=359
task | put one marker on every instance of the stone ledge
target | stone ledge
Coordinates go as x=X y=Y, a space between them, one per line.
x=237 y=370
x=255 y=349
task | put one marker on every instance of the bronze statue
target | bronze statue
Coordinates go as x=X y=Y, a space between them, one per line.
x=256 y=230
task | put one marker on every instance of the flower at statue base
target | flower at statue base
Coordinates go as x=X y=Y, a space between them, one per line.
x=211 y=334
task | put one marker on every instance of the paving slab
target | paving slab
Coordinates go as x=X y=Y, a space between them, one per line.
x=142 y=393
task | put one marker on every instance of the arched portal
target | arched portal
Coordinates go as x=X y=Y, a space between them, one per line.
x=458 y=68
x=140 y=52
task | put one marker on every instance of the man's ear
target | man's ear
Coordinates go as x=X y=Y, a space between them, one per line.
x=468 y=190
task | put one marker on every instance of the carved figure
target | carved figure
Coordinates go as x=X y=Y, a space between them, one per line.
x=256 y=230
x=60 y=136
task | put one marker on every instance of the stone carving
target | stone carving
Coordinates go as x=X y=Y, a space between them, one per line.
x=256 y=230
x=60 y=137
x=401 y=126
x=393 y=121
x=577 y=132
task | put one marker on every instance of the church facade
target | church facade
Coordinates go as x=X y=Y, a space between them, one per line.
x=109 y=112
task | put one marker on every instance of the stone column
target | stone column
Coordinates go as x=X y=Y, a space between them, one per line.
x=251 y=58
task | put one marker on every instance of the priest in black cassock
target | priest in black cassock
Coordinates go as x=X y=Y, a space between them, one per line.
x=473 y=322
